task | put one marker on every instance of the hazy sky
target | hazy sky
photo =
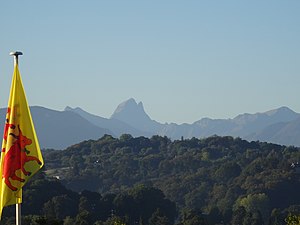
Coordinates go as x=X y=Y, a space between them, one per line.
x=184 y=59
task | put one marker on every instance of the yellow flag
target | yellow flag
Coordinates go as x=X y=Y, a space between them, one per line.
x=21 y=155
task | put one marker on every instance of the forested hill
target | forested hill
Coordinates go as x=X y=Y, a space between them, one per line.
x=217 y=175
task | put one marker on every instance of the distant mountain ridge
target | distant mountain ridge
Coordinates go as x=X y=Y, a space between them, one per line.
x=60 y=129
x=256 y=126
x=116 y=126
x=285 y=133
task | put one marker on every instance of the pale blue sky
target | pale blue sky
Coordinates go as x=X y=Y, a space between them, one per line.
x=183 y=59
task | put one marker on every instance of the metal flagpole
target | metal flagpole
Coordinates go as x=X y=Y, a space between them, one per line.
x=18 y=206
x=16 y=57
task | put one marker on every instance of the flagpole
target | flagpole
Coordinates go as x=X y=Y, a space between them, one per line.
x=16 y=57
x=18 y=206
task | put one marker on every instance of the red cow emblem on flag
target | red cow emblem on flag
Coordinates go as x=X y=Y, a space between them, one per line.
x=21 y=155
x=15 y=159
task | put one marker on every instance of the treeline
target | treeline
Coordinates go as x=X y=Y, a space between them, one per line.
x=49 y=202
x=216 y=180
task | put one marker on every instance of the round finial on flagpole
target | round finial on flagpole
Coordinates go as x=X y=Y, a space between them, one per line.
x=16 y=56
x=16 y=53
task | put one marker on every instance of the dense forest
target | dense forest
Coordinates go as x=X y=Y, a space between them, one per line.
x=156 y=181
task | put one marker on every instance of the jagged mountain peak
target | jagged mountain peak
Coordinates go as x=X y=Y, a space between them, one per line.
x=128 y=102
x=129 y=108
x=140 y=105
x=133 y=113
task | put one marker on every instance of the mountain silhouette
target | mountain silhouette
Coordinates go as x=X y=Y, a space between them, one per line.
x=284 y=133
x=134 y=114
x=247 y=126
x=118 y=127
x=60 y=129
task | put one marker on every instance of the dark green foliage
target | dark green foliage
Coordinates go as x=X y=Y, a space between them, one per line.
x=212 y=174
x=193 y=217
x=61 y=206
x=40 y=220
x=216 y=180
x=58 y=207
x=238 y=216
x=158 y=218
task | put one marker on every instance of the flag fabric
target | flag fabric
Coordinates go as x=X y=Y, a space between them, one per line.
x=21 y=155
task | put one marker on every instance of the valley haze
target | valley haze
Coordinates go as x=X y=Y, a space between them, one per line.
x=61 y=129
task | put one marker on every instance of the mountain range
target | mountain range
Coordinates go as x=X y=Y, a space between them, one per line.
x=60 y=129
